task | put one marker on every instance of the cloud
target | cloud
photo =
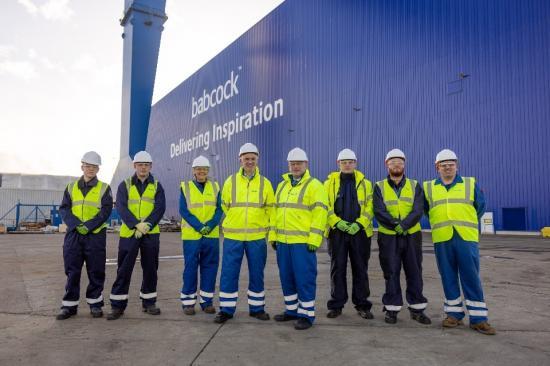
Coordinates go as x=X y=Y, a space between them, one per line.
x=57 y=10
x=29 y=6
x=50 y=10
x=6 y=51
x=20 y=69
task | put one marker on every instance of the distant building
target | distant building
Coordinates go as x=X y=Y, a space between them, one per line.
x=30 y=189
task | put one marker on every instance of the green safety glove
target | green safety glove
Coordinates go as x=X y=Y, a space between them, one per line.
x=82 y=229
x=138 y=234
x=311 y=247
x=342 y=225
x=273 y=245
x=205 y=230
x=399 y=230
x=354 y=228
x=143 y=227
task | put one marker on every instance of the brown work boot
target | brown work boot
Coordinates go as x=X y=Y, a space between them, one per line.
x=484 y=328
x=189 y=310
x=209 y=309
x=450 y=322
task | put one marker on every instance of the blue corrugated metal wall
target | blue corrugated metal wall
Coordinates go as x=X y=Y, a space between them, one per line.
x=374 y=75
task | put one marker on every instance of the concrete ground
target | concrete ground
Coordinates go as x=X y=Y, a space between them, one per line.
x=516 y=276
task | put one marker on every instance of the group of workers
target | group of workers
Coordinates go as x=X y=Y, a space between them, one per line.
x=293 y=220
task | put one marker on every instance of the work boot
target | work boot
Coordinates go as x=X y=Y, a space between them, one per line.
x=209 y=309
x=333 y=313
x=302 y=324
x=364 y=313
x=391 y=317
x=222 y=317
x=484 y=328
x=451 y=322
x=260 y=315
x=420 y=317
x=189 y=310
x=115 y=314
x=65 y=313
x=96 y=312
x=284 y=317
x=152 y=310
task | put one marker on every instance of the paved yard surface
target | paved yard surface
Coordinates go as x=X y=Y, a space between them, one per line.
x=515 y=270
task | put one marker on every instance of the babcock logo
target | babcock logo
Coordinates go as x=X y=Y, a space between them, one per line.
x=216 y=96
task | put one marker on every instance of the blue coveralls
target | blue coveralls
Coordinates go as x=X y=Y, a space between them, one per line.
x=128 y=248
x=203 y=253
x=90 y=249
x=397 y=250
x=458 y=258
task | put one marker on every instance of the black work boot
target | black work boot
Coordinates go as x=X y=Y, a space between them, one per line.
x=96 y=312
x=260 y=315
x=115 y=314
x=364 y=313
x=391 y=317
x=284 y=317
x=302 y=324
x=65 y=313
x=420 y=317
x=333 y=313
x=222 y=317
x=151 y=309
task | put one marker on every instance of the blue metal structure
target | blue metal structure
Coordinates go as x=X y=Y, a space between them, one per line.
x=34 y=214
x=372 y=75
x=143 y=25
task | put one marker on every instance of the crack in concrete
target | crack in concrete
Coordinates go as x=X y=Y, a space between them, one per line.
x=206 y=345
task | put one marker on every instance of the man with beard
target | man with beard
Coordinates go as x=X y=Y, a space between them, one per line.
x=398 y=208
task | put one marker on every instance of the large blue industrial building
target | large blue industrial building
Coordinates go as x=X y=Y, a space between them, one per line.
x=370 y=75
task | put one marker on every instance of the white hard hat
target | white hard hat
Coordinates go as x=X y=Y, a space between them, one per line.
x=248 y=148
x=395 y=153
x=346 y=154
x=201 y=161
x=91 y=157
x=297 y=154
x=445 y=154
x=143 y=157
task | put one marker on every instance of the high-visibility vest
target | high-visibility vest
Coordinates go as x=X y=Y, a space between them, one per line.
x=300 y=212
x=140 y=206
x=398 y=207
x=248 y=205
x=202 y=205
x=364 y=198
x=452 y=209
x=87 y=207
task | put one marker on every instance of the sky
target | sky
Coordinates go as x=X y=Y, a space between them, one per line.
x=61 y=73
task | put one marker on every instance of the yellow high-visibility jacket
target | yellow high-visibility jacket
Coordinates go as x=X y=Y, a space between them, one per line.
x=248 y=206
x=301 y=212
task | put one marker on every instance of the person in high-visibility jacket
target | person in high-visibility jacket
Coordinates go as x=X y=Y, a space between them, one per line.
x=398 y=207
x=87 y=205
x=297 y=231
x=201 y=211
x=454 y=205
x=140 y=203
x=247 y=200
x=350 y=231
